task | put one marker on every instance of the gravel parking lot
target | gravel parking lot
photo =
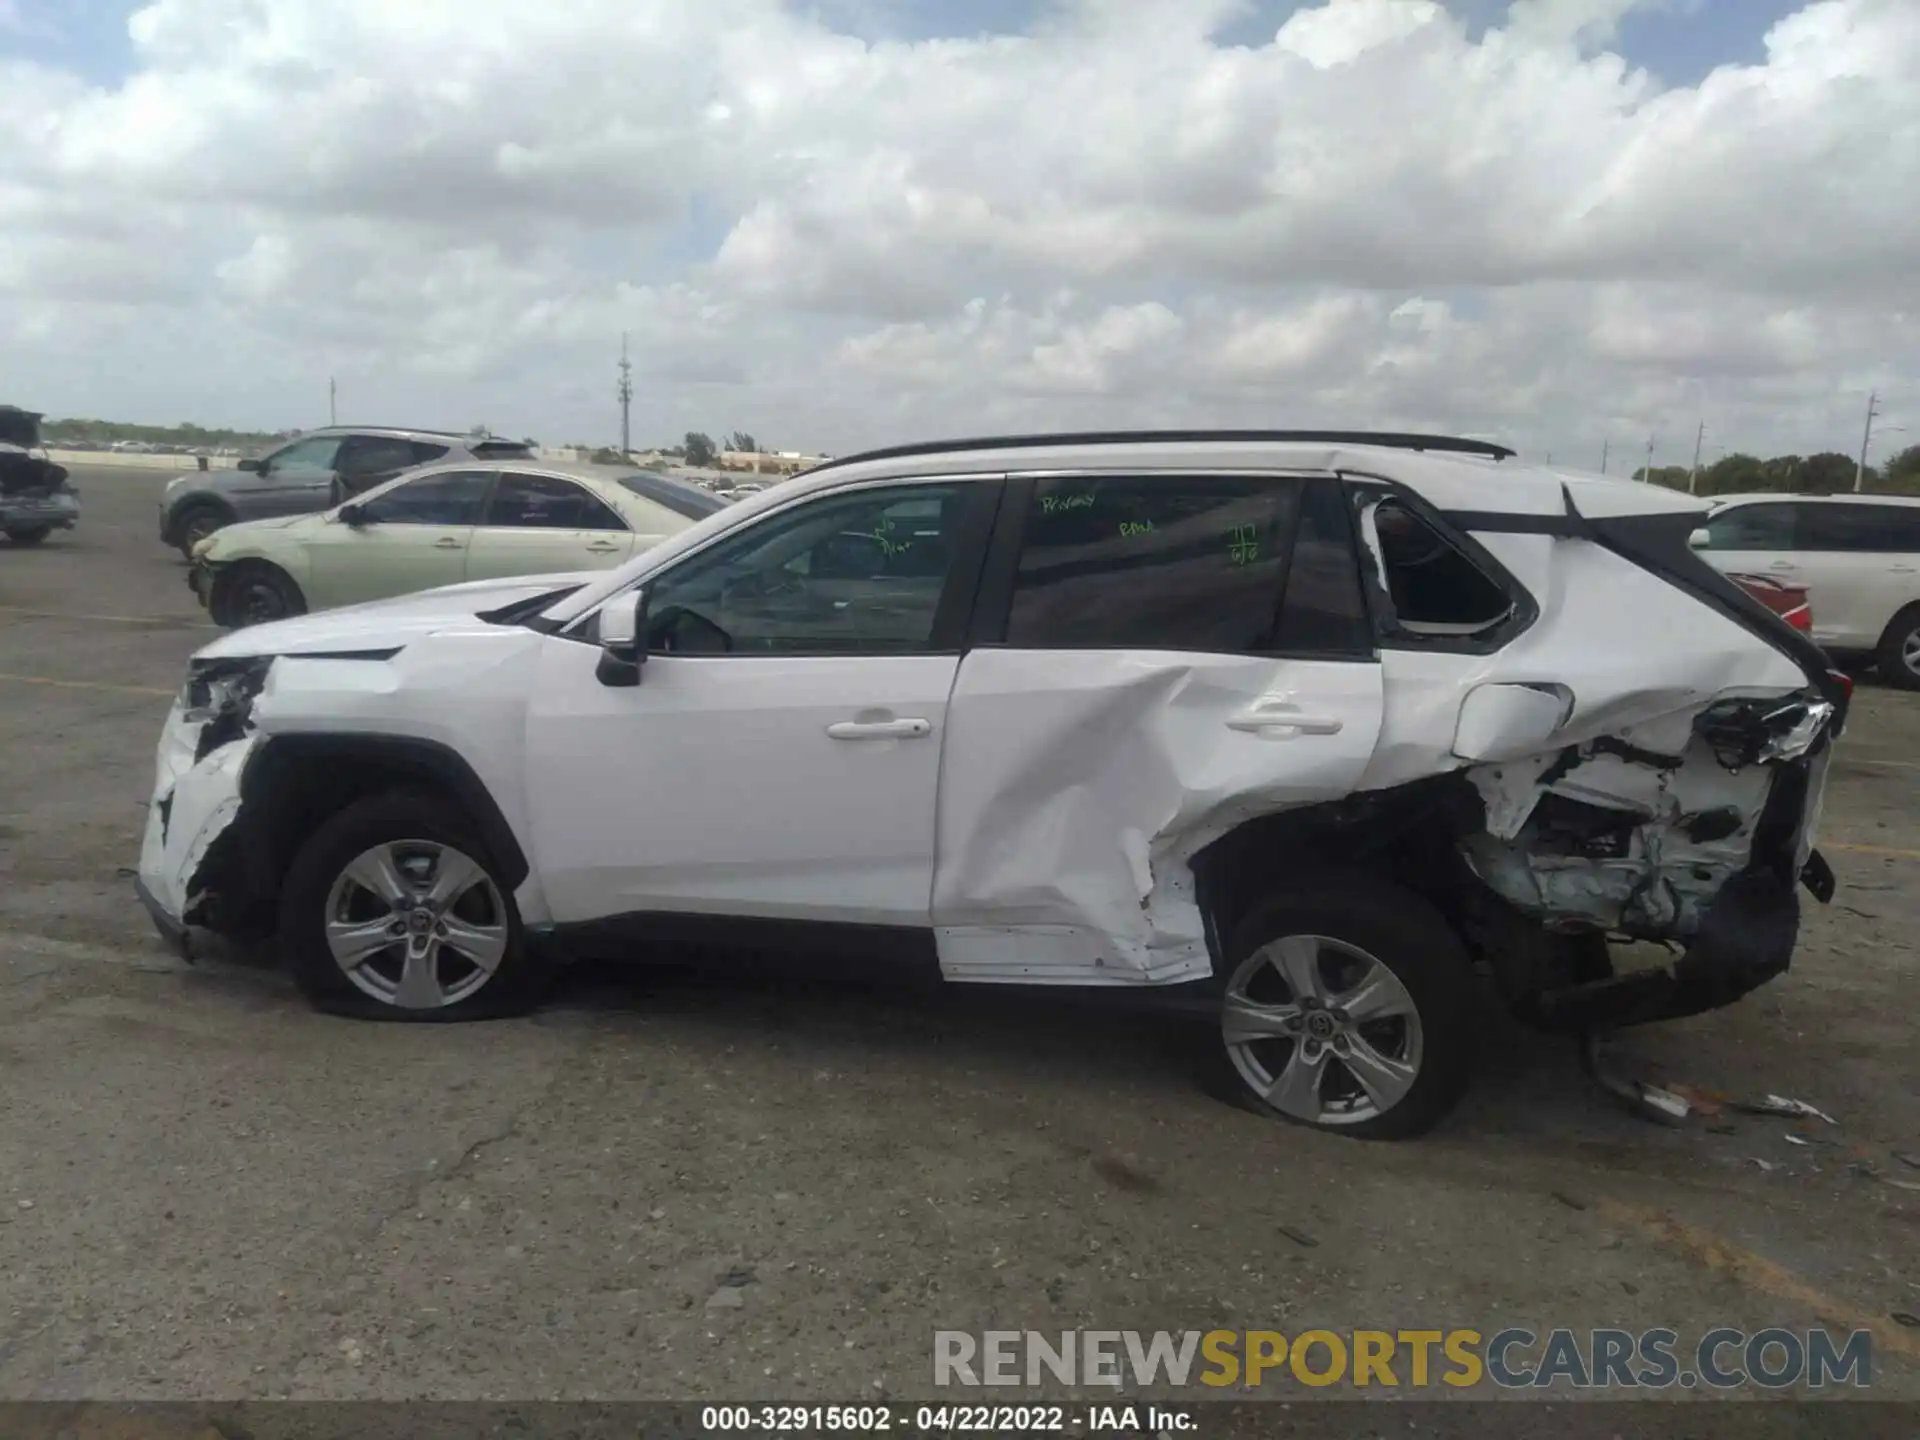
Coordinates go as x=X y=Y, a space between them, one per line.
x=206 y=1190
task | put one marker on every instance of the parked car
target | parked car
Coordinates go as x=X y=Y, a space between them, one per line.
x=36 y=497
x=440 y=525
x=1296 y=727
x=318 y=470
x=1856 y=556
x=1789 y=602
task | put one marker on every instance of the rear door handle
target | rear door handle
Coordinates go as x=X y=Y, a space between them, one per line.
x=446 y=543
x=603 y=547
x=880 y=729
x=1262 y=718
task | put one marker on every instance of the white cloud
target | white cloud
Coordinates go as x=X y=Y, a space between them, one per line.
x=1370 y=219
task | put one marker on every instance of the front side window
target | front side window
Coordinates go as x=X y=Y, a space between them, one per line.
x=858 y=574
x=1752 y=527
x=547 y=502
x=1192 y=563
x=316 y=452
x=451 y=497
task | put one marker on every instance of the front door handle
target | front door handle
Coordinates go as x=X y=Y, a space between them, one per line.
x=602 y=547
x=1262 y=718
x=880 y=729
x=446 y=543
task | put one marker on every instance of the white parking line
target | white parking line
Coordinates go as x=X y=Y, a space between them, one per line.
x=84 y=684
x=166 y=621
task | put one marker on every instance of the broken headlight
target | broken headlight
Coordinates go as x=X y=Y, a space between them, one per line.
x=223 y=689
x=1750 y=732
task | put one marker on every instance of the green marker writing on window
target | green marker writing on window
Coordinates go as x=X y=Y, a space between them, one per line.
x=1243 y=545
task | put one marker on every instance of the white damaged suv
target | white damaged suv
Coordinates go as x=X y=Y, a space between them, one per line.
x=1304 y=727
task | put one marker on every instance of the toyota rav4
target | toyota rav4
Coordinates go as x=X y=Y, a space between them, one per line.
x=1301 y=727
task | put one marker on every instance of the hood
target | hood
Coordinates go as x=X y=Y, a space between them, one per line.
x=388 y=624
x=240 y=529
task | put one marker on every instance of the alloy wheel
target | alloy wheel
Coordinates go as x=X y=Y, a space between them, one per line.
x=1322 y=1030
x=416 y=924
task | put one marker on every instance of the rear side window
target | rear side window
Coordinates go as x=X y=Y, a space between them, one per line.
x=1902 y=524
x=1861 y=529
x=689 y=502
x=1752 y=527
x=1434 y=589
x=547 y=502
x=501 y=450
x=1194 y=563
x=425 y=452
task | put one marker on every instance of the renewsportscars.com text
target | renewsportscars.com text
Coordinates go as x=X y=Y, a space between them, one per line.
x=1512 y=1358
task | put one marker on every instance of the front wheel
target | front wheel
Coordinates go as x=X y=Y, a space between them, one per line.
x=395 y=910
x=255 y=593
x=28 y=534
x=1900 y=650
x=1348 y=1007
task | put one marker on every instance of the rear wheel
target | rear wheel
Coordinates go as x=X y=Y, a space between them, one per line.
x=1900 y=650
x=395 y=910
x=255 y=593
x=1348 y=1007
x=28 y=534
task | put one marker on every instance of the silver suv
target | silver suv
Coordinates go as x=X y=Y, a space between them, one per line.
x=319 y=469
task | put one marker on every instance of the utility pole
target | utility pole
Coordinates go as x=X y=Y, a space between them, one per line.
x=333 y=407
x=1693 y=476
x=1866 y=439
x=1603 y=455
x=626 y=397
x=1647 y=473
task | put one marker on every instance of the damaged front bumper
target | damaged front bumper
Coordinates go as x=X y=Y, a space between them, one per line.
x=54 y=509
x=202 y=755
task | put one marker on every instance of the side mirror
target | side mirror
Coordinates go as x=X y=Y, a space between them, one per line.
x=1700 y=539
x=353 y=515
x=252 y=466
x=623 y=648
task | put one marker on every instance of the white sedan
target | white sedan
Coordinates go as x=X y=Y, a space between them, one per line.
x=441 y=525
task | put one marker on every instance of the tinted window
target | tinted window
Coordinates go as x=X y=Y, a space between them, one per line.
x=501 y=450
x=1324 y=613
x=425 y=452
x=1859 y=528
x=852 y=575
x=315 y=452
x=547 y=502
x=1167 y=563
x=451 y=497
x=1434 y=589
x=1752 y=527
x=375 y=455
x=1902 y=527
x=687 y=501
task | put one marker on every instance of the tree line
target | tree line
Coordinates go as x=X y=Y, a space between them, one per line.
x=1828 y=473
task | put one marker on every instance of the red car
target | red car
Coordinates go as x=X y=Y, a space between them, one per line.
x=1789 y=602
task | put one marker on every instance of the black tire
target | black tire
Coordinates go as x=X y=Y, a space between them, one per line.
x=28 y=534
x=1899 y=655
x=253 y=592
x=199 y=520
x=517 y=982
x=1396 y=929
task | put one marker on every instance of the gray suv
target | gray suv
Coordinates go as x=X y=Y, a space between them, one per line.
x=321 y=468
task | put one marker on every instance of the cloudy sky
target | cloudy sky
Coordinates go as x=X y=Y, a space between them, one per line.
x=846 y=222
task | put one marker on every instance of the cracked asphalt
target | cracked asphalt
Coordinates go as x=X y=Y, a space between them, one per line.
x=707 y=1184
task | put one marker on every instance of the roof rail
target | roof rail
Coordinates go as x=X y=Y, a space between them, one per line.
x=1396 y=440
